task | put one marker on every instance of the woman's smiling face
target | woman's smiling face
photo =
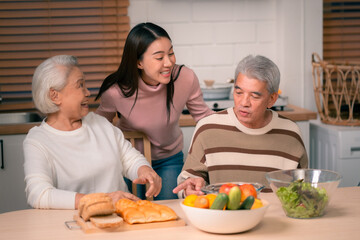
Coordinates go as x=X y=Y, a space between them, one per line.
x=74 y=96
x=157 y=62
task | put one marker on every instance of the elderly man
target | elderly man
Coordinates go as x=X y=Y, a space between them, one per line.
x=244 y=142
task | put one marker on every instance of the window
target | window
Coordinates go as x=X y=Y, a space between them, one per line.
x=31 y=31
x=337 y=78
x=341 y=30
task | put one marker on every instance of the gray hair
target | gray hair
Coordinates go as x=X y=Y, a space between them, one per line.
x=260 y=68
x=51 y=74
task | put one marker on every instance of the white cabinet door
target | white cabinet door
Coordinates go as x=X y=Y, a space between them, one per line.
x=305 y=132
x=12 y=185
x=187 y=134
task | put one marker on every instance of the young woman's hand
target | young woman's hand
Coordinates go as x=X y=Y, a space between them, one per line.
x=148 y=175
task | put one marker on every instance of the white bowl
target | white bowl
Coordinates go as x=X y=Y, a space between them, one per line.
x=224 y=221
x=216 y=92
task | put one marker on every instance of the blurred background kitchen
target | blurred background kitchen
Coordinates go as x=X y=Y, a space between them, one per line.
x=209 y=36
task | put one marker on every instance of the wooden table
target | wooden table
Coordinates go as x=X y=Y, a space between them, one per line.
x=341 y=221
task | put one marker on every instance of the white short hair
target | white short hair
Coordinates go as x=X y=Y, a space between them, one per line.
x=260 y=68
x=51 y=74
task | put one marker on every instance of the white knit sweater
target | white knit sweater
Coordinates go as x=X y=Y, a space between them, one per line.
x=94 y=158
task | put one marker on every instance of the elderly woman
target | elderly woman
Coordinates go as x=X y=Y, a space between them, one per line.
x=74 y=152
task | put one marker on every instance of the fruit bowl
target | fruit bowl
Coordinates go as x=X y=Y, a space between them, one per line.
x=303 y=193
x=224 y=221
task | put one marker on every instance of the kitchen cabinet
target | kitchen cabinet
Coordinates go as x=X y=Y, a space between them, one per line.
x=12 y=185
x=305 y=134
x=336 y=148
x=187 y=134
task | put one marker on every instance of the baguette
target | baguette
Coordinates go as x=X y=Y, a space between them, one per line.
x=143 y=211
x=133 y=215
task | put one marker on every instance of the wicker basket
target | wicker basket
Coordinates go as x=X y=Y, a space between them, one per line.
x=337 y=91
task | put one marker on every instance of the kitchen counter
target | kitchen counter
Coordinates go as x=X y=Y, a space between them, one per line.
x=341 y=221
x=17 y=128
x=295 y=113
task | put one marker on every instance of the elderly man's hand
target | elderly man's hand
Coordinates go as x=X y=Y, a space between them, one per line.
x=191 y=186
x=148 y=175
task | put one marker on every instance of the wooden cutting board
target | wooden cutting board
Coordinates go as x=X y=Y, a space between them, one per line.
x=88 y=227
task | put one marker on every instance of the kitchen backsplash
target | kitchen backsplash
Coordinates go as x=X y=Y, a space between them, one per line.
x=212 y=36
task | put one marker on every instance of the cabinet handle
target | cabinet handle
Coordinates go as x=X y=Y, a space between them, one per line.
x=2 y=154
x=354 y=149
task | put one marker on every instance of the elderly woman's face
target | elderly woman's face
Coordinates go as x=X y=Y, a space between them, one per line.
x=252 y=99
x=74 y=96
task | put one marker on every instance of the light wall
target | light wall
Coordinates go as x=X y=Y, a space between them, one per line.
x=212 y=36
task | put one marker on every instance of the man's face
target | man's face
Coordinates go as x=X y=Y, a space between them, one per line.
x=251 y=99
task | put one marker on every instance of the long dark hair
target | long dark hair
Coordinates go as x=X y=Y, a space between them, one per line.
x=127 y=75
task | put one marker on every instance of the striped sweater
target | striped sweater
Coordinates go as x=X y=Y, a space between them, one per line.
x=223 y=150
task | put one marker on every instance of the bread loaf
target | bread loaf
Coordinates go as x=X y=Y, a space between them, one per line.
x=95 y=204
x=143 y=211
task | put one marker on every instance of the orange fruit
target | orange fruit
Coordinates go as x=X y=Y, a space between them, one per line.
x=257 y=204
x=211 y=197
x=247 y=190
x=190 y=200
x=201 y=202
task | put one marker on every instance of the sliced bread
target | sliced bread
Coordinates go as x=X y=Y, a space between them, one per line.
x=107 y=221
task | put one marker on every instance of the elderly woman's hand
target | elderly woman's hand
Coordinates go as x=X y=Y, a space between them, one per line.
x=148 y=175
x=116 y=196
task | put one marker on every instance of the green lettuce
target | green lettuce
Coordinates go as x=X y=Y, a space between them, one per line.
x=302 y=200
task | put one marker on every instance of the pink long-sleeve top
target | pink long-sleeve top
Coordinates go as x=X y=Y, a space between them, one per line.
x=149 y=114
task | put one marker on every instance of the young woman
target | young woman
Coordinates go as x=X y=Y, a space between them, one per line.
x=149 y=92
